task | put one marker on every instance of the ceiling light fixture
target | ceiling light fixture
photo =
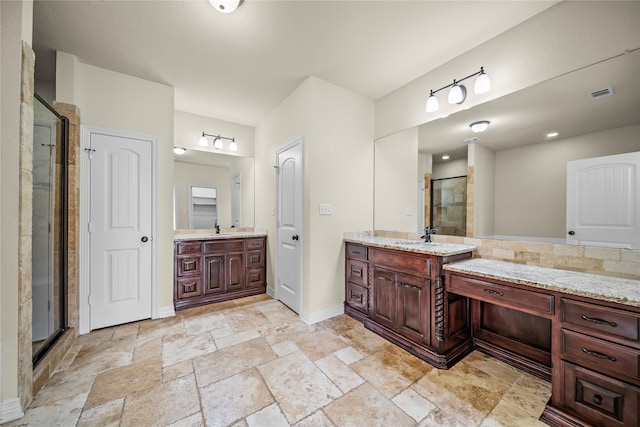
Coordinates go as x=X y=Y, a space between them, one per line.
x=217 y=141
x=479 y=126
x=225 y=6
x=458 y=92
x=179 y=150
x=552 y=134
x=445 y=157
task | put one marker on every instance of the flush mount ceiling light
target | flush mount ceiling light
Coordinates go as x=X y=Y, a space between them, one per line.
x=179 y=150
x=445 y=157
x=458 y=92
x=217 y=141
x=552 y=134
x=479 y=126
x=225 y=6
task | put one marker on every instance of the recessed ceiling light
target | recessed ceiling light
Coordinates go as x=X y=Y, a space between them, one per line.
x=445 y=157
x=552 y=134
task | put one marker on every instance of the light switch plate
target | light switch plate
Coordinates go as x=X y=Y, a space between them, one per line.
x=326 y=209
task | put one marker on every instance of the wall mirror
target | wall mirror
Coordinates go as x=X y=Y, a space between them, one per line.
x=232 y=177
x=523 y=188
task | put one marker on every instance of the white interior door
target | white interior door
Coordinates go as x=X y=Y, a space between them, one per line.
x=289 y=225
x=236 y=197
x=120 y=229
x=603 y=201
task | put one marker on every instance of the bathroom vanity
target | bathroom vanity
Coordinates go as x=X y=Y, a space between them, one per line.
x=396 y=288
x=580 y=331
x=218 y=267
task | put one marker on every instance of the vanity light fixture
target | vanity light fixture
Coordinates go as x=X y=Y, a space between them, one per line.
x=217 y=141
x=225 y=6
x=179 y=150
x=479 y=126
x=458 y=92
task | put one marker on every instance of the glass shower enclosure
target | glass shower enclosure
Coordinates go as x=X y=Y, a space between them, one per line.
x=49 y=235
x=449 y=205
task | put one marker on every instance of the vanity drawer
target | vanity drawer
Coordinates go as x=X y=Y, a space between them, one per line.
x=223 y=246
x=357 y=297
x=188 y=287
x=255 y=278
x=516 y=298
x=419 y=266
x=189 y=248
x=357 y=252
x=188 y=265
x=252 y=244
x=598 y=399
x=603 y=355
x=255 y=259
x=602 y=319
x=357 y=272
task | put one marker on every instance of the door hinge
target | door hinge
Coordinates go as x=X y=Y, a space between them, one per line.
x=89 y=227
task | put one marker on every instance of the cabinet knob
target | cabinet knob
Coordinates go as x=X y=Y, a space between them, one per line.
x=295 y=237
x=597 y=399
x=571 y=233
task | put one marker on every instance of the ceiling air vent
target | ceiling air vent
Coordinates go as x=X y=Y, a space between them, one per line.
x=601 y=93
x=471 y=140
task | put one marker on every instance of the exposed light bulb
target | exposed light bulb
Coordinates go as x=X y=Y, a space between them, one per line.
x=432 y=103
x=225 y=6
x=203 y=141
x=179 y=150
x=483 y=83
x=233 y=146
x=217 y=143
x=457 y=94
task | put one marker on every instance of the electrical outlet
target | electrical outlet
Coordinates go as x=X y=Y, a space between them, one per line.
x=326 y=209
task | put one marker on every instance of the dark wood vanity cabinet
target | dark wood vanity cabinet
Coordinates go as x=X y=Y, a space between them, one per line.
x=400 y=296
x=217 y=270
x=598 y=357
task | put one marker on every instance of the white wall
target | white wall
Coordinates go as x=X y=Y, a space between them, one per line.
x=338 y=162
x=565 y=37
x=396 y=178
x=530 y=181
x=450 y=169
x=117 y=101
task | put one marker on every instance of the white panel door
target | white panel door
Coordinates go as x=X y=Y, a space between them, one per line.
x=120 y=230
x=289 y=225
x=603 y=201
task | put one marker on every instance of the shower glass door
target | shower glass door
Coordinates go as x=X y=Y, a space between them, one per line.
x=449 y=205
x=49 y=219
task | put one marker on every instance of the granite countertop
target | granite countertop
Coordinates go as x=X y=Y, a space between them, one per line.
x=221 y=236
x=417 y=246
x=607 y=288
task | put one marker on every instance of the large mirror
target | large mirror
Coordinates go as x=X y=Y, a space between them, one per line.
x=519 y=182
x=232 y=177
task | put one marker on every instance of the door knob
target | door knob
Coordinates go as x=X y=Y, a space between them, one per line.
x=295 y=237
x=144 y=239
x=571 y=233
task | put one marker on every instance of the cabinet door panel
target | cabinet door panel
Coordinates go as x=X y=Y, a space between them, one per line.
x=213 y=274
x=413 y=307
x=384 y=298
x=235 y=271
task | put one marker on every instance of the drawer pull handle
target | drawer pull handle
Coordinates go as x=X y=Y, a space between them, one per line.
x=492 y=292
x=598 y=355
x=599 y=321
x=356 y=252
x=597 y=399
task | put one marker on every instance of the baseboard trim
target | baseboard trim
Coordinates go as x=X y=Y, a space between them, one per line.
x=319 y=316
x=167 y=311
x=271 y=292
x=10 y=410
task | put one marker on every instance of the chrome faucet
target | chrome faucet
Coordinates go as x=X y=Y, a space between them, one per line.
x=428 y=232
x=217 y=227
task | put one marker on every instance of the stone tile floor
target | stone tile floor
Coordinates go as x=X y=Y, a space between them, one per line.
x=252 y=362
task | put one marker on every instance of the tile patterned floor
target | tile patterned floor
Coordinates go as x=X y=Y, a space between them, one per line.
x=252 y=362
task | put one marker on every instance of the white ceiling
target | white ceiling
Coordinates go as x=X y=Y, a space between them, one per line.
x=238 y=67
